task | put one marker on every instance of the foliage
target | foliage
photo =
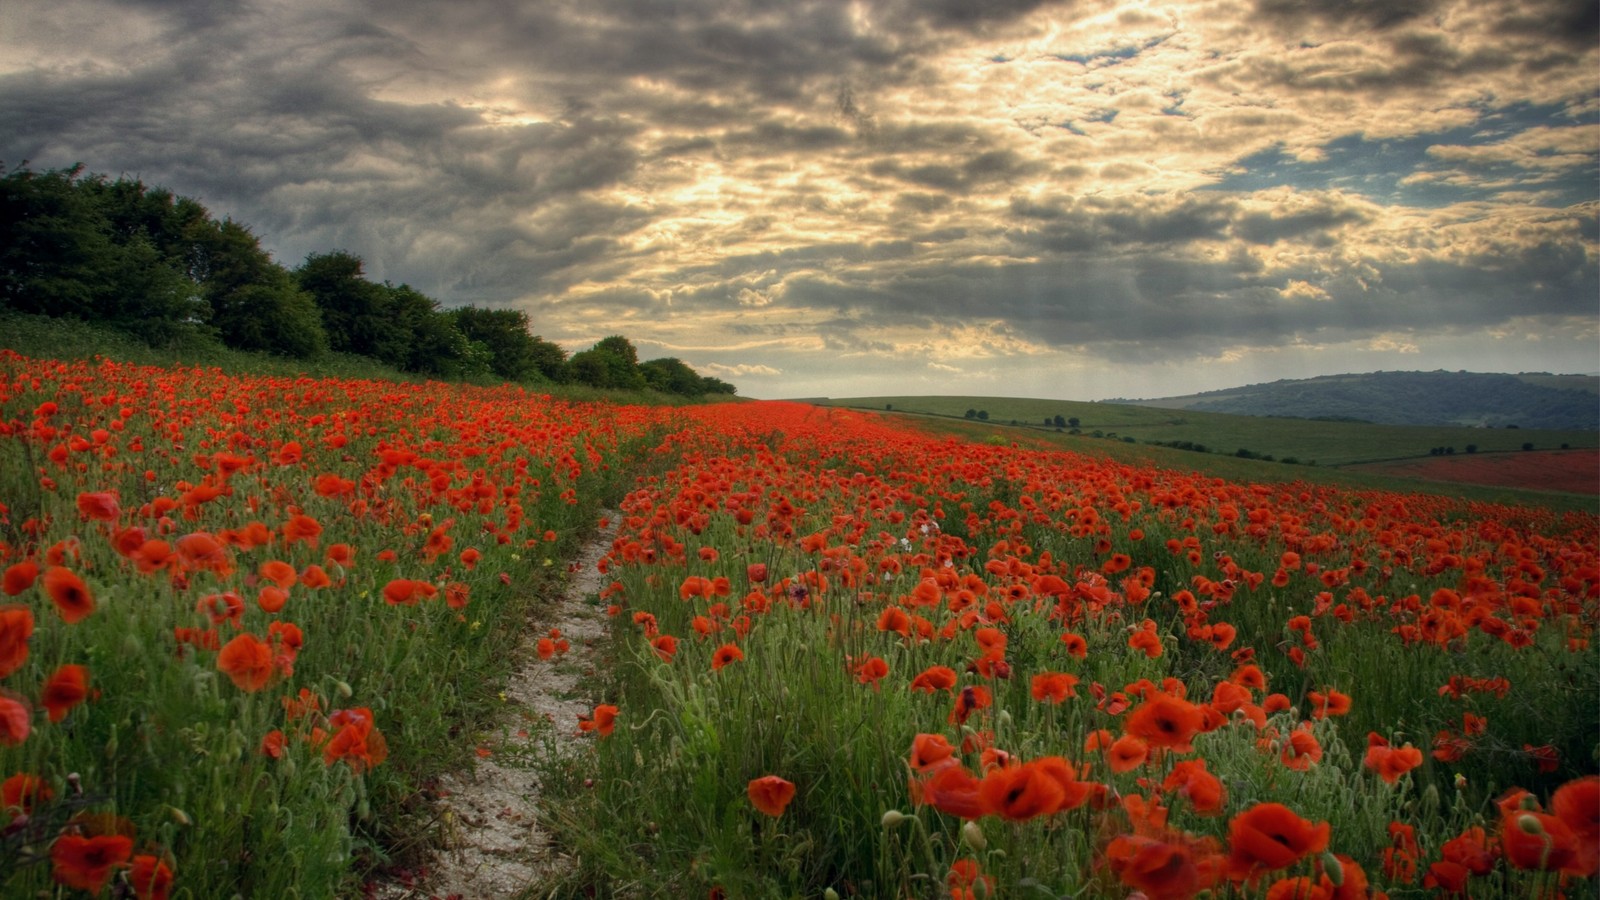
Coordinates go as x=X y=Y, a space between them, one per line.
x=147 y=262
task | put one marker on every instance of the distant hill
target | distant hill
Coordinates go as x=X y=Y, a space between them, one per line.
x=1528 y=400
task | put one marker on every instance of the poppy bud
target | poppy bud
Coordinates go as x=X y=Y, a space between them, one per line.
x=1461 y=782
x=893 y=818
x=342 y=689
x=972 y=836
x=1529 y=803
x=830 y=894
x=1004 y=718
x=1332 y=868
x=1530 y=824
x=179 y=816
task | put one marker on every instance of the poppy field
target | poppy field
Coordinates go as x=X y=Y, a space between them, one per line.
x=246 y=616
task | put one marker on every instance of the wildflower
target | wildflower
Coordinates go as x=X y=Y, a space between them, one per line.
x=87 y=863
x=68 y=592
x=356 y=740
x=770 y=794
x=16 y=629
x=22 y=791
x=935 y=678
x=16 y=719
x=971 y=698
x=727 y=653
x=247 y=660
x=871 y=671
x=66 y=688
x=1128 y=753
x=1333 y=703
x=964 y=880
x=1270 y=836
x=1054 y=687
x=602 y=722
x=19 y=577
x=100 y=506
x=928 y=750
x=1163 y=720
x=150 y=877
x=1021 y=792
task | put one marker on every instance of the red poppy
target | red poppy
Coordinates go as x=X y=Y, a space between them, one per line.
x=1204 y=790
x=150 y=877
x=928 y=750
x=1163 y=720
x=87 y=863
x=871 y=671
x=356 y=741
x=1162 y=869
x=935 y=678
x=1535 y=840
x=1302 y=749
x=949 y=788
x=247 y=660
x=1021 y=792
x=603 y=721
x=66 y=688
x=665 y=646
x=22 y=791
x=727 y=653
x=972 y=697
x=1077 y=647
x=19 y=577
x=1128 y=753
x=16 y=719
x=1054 y=687
x=1333 y=703
x=16 y=628
x=1270 y=836
x=770 y=794
x=302 y=528
x=99 y=506
x=68 y=592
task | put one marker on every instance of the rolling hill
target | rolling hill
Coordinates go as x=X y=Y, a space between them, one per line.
x=1485 y=400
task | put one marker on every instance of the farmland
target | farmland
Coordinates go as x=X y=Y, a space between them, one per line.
x=250 y=618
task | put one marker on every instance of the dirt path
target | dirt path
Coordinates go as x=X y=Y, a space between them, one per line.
x=495 y=846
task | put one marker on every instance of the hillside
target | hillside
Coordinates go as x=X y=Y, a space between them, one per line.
x=1533 y=400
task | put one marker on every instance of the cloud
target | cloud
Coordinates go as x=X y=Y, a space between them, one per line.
x=830 y=187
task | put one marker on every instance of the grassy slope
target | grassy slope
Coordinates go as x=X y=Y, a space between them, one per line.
x=42 y=337
x=1324 y=443
x=1224 y=431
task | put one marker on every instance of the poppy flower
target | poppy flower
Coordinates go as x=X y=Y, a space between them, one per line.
x=1270 y=836
x=247 y=660
x=302 y=528
x=770 y=794
x=935 y=678
x=665 y=646
x=356 y=741
x=965 y=879
x=1021 y=792
x=871 y=671
x=16 y=719
x=100 y=506
x=1333 y=703
x=1128 y=753
x=1535 y=840
x=603 y=721
x=22 y=791
x=16 y=628
x=1163 y=720
x=1160 y=869
x=1390 y=762
x=150 y=877
x=1302 y=749
x=87 y=863
x=1203 y=789
x=68 y=592
x=1077 y=647
x=1054 y=687
x=66 y=688
x=928 y=750
x=19 y=577
x=949 y=788
x=972 y=697
x=279 y=573
x=727 y=653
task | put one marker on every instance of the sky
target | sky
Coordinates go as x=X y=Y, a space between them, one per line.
x=1077 y=200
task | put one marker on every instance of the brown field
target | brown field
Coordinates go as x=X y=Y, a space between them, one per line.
x=1575 y=471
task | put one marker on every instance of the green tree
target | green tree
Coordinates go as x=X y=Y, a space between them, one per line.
x=672 y=376
x=255 y=303
x=504 y=334
x=611 y=363
x=355 y=312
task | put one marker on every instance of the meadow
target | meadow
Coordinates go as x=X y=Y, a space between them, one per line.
x=249 y=617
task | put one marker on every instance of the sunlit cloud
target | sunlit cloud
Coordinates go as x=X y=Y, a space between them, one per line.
x=1098 y=198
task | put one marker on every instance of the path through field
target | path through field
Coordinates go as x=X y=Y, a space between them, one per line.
x=495 y=845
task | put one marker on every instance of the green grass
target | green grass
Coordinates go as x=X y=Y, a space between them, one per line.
x=1320 y=447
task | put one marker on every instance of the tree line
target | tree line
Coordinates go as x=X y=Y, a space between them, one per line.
x=156 y=265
